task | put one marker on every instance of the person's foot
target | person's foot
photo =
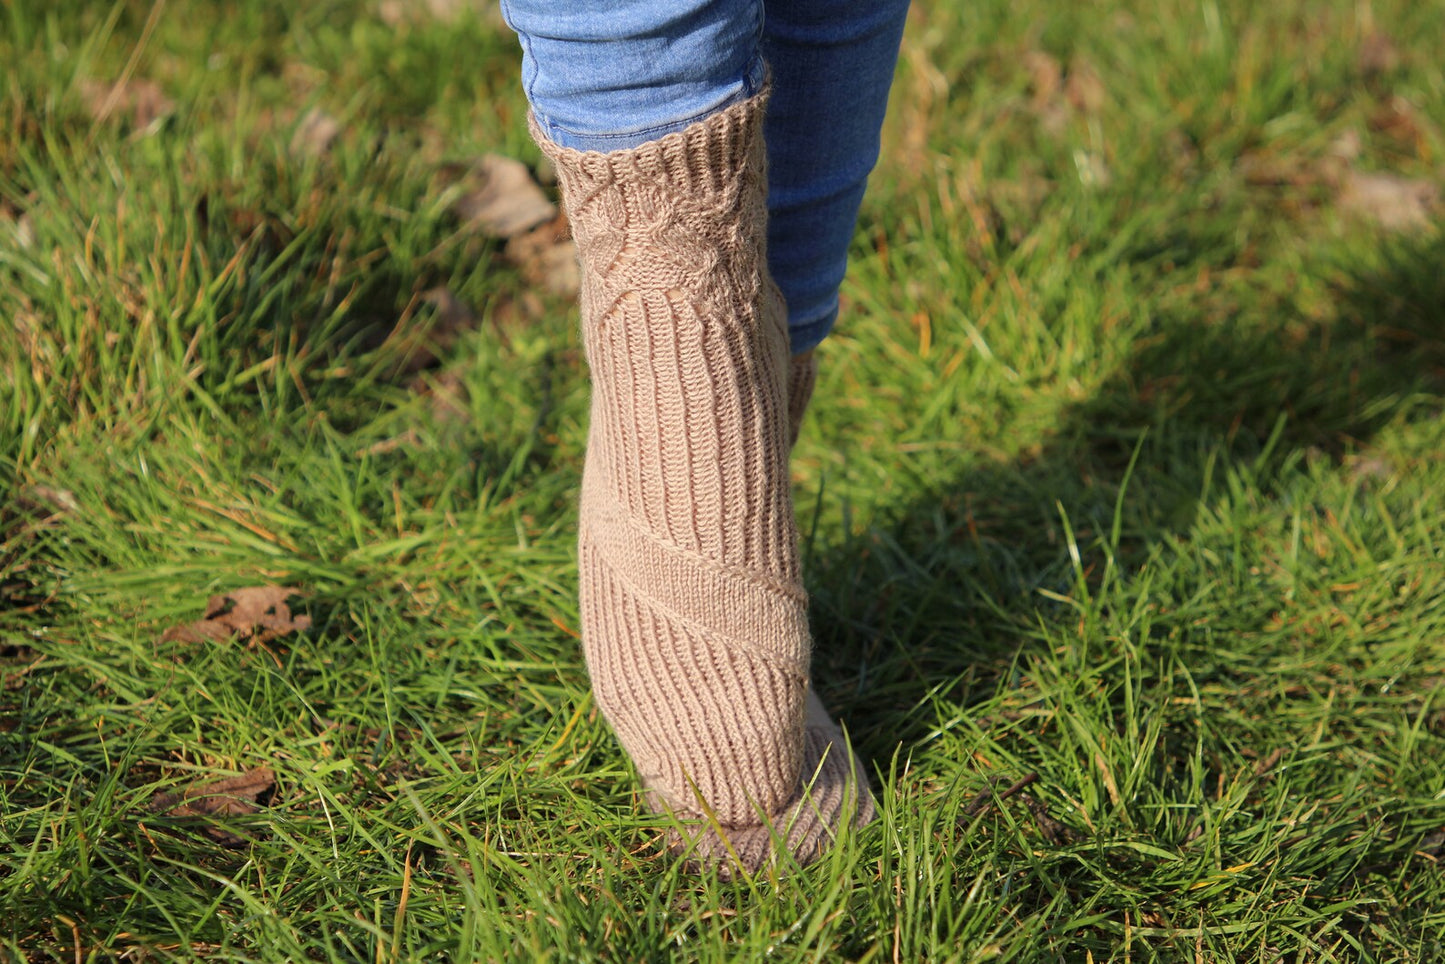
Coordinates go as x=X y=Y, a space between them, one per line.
x=833 y=794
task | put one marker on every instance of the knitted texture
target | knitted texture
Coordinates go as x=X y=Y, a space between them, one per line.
x=694 y=618
x=693 y=614
x=802 y=373
x=833 y=792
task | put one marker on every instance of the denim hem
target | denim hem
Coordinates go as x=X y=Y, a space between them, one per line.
x=753 y=80
x=808 y=335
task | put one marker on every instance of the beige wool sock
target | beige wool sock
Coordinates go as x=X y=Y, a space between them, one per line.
x=802 y=374
x=694 y=616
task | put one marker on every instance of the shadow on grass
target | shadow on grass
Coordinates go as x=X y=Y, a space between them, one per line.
x=943 y=596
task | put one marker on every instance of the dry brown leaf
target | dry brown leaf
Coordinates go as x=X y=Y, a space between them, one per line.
x=1399 y=121
x=500 y=199
x=1046 y=76
x=450 y=400
x=257 y=614
x=1391 y=201
x=547 y=258
x=227 y=797
x=142 y=99
x=47 y=500
x=396 y=12
x=453 y=314
x=418 y=342
x=1056 y=95
x=315 y=134
x=1083 y=88
x=24 y=231
x=1377 y=55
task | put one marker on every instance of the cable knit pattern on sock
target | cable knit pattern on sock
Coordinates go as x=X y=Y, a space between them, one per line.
x=694 y=617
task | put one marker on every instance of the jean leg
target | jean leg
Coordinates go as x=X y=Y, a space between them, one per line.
x=612 y=75
x=832 y=63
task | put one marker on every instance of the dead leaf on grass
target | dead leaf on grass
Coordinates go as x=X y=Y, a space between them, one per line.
x=1391 y=201
x=142 y=99
x=450 y=402
x=500 y=199
x=1083 y=87
x=1371 y=467
x=47 y=500
x=396 y=12
x=415 y=345
x=228 y=797
x=315 y=134
x=1046 y=76
x=547 y=258
x=1397 y=120
x=17 y=221
x=1377 y=55
x=1058 y=95
x=453 y=314
x=257 y=614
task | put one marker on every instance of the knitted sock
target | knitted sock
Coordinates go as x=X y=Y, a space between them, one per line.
x=802 y=373
x=694 y=618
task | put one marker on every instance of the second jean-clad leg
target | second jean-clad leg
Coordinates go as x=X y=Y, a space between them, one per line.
x=832 y=63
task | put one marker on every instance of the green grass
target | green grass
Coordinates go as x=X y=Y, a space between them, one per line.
x=1123 y=477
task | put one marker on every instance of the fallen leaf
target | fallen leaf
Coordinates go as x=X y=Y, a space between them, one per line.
x=1347 y=147
x=24 y=231
x=1083 y=88
x=48 y=500
x=1377 y=55
x=1367 y=467
x=408 y=439
x=396 y=12
x=500 y=199
x=1399 y=121
x=1046 y=76
x=258 y=614
x=453 y=314
x=450 y=400
x=315 y=134
x=1058 y=95
x=143 y=99
x=547 y=258
x=419 y=340
x=227 y=797
x=1391 y=201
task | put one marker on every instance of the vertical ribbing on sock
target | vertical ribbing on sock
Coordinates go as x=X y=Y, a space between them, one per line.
x=802 y=374
x=693 y=614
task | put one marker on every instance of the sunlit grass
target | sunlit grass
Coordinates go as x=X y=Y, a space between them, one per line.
x=1120 y=495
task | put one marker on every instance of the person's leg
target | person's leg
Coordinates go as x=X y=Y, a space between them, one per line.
x=605 y=77
x=832 y=64
x=693 y=612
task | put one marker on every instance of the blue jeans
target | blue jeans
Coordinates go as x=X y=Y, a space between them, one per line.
x=611 y=75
